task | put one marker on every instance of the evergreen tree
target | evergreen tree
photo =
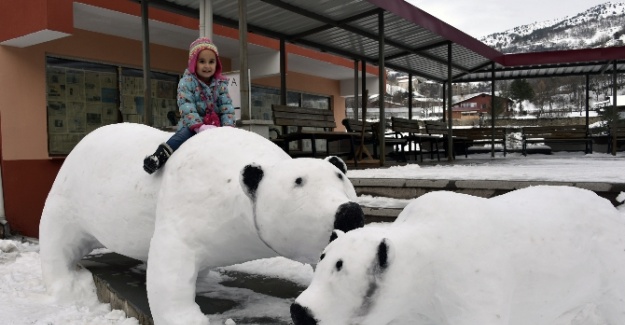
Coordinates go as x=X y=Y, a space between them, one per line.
x=521 y=90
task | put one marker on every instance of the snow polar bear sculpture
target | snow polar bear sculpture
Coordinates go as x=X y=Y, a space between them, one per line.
x=225 y=197
x=456 y=259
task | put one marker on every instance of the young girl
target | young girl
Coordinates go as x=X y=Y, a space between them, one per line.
x=203 y=101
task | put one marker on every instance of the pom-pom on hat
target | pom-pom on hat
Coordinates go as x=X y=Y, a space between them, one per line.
x=197 y=46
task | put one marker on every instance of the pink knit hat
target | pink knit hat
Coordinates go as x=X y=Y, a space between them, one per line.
x=200 y=44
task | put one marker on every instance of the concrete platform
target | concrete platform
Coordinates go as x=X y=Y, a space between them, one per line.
x=413 y=188
x=120 y=281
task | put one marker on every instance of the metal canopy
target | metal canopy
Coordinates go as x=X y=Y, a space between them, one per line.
x=397 y=35
x=415 y=42
x=552 y=64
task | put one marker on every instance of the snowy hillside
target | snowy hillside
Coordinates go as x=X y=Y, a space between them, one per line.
x=600 y=26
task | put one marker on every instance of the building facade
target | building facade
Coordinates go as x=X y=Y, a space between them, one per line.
x=70 y=67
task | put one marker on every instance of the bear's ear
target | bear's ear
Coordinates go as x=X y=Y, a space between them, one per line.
x=338 y=162
x=251 y=175
x=383 y=253
x=336 y=234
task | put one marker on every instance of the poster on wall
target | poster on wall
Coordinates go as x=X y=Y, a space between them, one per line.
x=83 y=96
x=56 y=84
x=80 y=98
x=57 y=117
x=75 y=85
x=164 y=103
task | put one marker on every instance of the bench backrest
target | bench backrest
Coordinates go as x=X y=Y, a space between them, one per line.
x=481 y=133
x=436 y=127
x=619 y=130
x=556 y=131
x=302 y=117
x=353 y=125
x=404 y=125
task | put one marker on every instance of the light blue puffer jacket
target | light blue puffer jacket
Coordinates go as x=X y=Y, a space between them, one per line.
x=195 y=99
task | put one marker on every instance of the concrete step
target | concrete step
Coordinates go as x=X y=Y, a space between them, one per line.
x=413 y=188
x=120 y=281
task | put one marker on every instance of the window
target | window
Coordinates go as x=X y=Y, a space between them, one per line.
x=82 y=96
x=264 y=97
x=164 y=89
x=315 y=101
x=468 y=105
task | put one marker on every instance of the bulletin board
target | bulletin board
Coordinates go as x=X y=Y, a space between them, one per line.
x=79 y=101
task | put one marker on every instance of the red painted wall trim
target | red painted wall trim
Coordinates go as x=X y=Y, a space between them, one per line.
x=291 y=48
x=30 y=182
x=568 y=56
x=134 y=8
x=21 y=18
x=58 y=15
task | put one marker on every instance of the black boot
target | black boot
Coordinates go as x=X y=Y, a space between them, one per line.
x=155 y=161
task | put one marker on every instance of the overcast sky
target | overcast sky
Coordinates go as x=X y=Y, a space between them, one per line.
x=483 y=17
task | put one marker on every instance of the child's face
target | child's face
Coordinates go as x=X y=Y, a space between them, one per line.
x=206 y=65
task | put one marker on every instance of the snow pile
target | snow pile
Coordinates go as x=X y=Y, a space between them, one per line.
x=542 y=255
x=23 y=298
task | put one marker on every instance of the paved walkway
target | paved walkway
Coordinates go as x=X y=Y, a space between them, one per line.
x=120 y=281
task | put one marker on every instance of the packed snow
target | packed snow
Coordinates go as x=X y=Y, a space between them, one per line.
x=188 y=218
x=477 y=261
x=22 y=294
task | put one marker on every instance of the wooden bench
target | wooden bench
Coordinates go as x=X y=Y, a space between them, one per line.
x=310 y=124
x=370 y=132
x=372 y=137
x=556 y=134
x=411 y=132
x=441 y=130
x=617 y=132
x=484 y=136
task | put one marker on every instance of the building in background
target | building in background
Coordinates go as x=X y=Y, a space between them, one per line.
x=476 y=106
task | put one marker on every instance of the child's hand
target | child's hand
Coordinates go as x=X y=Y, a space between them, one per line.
x=212 y=119
x=204 y=128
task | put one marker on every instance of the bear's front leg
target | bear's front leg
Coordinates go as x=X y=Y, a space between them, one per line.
x=171 y=281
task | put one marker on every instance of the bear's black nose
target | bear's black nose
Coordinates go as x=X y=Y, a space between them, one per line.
x=301 y=315
x=349 y=216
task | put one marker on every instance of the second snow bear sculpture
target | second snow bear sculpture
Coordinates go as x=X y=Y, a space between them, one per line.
x=225 y=197
x=455 y=259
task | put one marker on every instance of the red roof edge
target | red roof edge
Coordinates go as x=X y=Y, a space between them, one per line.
x=419 y=17
x=566 y=56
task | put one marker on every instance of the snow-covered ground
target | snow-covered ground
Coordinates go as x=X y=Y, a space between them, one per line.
x=561 y=166
x=22 y=294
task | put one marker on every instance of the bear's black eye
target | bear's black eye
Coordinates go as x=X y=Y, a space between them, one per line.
x=322 y=256
x=339 y=175
x=299 y=181
x=339 y=265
